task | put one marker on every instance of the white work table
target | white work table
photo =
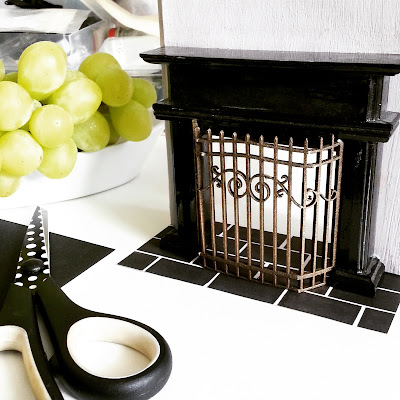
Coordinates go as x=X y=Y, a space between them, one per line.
x=223 y=346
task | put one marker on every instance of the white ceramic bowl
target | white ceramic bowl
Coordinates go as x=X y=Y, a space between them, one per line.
x=93 y=173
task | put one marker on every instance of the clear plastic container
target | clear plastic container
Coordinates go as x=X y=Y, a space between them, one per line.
x=126 y=50
x=86 y=41
x=77 y=45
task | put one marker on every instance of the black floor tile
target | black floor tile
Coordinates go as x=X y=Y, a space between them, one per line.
x=218 y=228
x=390 y=281
x=241 y=287
x=376 y=320
x=384 y=300
x=137 y=260
x=153 y=246
x=70 y=257
x=255 y=235
x=182 y=272
x=309 y=246
x=321 y=306
x=11 y=238
x=268 y=255
x=230 y=244
x=165 y=232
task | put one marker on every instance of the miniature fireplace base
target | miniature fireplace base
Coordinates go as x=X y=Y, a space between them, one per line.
x=285 y=95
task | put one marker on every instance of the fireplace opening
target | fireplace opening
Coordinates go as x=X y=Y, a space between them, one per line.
x=268 y=212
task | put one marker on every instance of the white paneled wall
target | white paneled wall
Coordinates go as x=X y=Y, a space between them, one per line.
x=306 y=25
x=350 y=26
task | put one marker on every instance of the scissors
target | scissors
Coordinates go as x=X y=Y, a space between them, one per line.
x=31 y=287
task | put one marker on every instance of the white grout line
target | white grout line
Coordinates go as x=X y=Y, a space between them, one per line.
x=351 y=302
x=277 y=301
x=360 y=314
x=307 y=260
x=211 y=280
x=328 y=292
x=194 y=259
x=152 y=263
x=388 y=290
x=242 y=248
x=283 y=245
x=168 y=258
x=227 y=229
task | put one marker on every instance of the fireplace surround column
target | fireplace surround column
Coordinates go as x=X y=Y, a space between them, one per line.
x=284 y=94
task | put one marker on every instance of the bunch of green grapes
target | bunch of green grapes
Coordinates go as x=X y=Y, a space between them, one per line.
x=125 y=102
x=49 y=113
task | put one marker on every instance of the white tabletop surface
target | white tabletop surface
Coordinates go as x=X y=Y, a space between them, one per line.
x=223 y=346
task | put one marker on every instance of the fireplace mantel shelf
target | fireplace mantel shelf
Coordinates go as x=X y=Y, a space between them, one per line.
x=374 y=131
x=385 y=64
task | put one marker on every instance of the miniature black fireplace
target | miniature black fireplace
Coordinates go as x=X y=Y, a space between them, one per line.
x=294 y=97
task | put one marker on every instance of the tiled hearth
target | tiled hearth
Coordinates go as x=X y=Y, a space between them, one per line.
x=360 y=311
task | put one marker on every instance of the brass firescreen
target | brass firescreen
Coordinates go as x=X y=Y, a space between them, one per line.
x=268 y=212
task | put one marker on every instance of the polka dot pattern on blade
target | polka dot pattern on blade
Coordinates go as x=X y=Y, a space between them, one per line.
x=33 y=264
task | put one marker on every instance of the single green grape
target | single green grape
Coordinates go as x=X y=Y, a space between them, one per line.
x=132 y=121
x=11 y=76
x=42 y=68
x=93 y=134
x=116 y=86
x=81 y=98
x=96 y=63
x=114 y=136
x=51 y=126
x=2 y=71
x=144 y=92
x=21 y=153
x=9 y=184
x=60 y=161
x=16 y=106
x=72 y=75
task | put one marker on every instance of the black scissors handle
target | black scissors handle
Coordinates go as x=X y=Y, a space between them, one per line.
x=66 y=321
x=19 y=331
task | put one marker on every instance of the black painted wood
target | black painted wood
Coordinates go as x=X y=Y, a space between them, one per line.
x=383 y=64
x=284 y=94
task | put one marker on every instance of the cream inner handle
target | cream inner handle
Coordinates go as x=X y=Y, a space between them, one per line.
x=16 y=338
x=104 y=329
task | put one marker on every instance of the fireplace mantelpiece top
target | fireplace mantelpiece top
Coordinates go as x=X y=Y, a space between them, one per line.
x=284 y=94
x=385 y=64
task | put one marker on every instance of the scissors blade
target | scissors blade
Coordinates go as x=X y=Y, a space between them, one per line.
x=33 y=265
